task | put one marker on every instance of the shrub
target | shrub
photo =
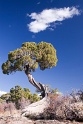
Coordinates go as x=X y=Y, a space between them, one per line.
x=4 y=107
x=65 y=107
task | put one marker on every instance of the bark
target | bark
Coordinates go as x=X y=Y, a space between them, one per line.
x=40 y=87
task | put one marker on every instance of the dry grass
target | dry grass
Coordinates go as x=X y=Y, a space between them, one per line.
x=65 y=108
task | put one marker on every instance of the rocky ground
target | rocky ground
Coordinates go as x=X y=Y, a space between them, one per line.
x=18 y=119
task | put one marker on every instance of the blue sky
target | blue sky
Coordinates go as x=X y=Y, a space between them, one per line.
x=59 y=22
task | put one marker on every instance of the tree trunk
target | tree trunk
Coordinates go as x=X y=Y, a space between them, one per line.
x=40 y=87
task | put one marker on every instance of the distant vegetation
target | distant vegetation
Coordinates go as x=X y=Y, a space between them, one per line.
x=19 y=97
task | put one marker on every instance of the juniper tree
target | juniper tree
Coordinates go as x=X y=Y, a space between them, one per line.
x=28 y=57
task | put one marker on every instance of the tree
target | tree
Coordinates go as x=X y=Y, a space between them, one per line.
x=35 y=98
x=27 y=93
x=5 y=97
x=19 y=97
x=1 y=100
x=28 y=57
x=55 y=91
x=16 y=93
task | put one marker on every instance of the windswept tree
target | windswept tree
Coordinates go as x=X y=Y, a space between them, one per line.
x=28 y=58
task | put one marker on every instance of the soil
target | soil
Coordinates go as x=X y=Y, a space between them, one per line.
x=18 y=119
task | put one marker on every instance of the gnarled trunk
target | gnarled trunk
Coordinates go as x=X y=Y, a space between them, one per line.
x=40 y=87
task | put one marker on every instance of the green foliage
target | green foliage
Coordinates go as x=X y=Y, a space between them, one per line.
x=35 y=98
x=54 y=91
x=16 y=93
x=42 y=54
x=1 y=100
x=5 y=96
x=27 y=94
x=47 y=55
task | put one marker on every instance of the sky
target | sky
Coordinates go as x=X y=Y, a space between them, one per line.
x=59 y=22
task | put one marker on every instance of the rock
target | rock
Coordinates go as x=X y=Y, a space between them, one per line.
x=37 y=108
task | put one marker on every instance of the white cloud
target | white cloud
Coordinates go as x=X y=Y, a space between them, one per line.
x=47 y=17
x=51 y=29
x=2 y=92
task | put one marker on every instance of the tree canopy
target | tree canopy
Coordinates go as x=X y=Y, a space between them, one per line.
x=42 y=54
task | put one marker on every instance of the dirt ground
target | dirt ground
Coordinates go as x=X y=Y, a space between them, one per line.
x=18 y=119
